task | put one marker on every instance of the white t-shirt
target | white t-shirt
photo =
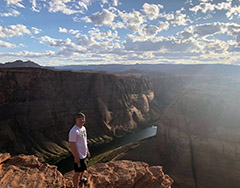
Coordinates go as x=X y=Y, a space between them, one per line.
x=79 y=135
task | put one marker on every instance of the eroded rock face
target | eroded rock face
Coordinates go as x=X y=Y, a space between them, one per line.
x=38 y=107
x=197 y=140
x=26 y=171
x=119 y=174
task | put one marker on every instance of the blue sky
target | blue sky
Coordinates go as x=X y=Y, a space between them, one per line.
x=63 y=32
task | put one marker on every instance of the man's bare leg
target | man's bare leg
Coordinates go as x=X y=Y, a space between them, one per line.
x=81 y=175
x=75 y=179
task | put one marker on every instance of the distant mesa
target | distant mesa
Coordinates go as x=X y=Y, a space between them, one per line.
x=19 y=63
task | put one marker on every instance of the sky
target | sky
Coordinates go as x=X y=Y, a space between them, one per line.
x=85 y=32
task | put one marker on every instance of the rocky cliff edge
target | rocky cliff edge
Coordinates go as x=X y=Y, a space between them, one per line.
x=26 y=171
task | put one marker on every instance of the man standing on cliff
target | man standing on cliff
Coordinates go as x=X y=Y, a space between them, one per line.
x=79 y=149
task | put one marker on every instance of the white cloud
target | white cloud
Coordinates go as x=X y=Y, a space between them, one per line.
x=150 y=30
x=176 y=19
x=163 y=25
x=204 y=7
x=84 y=40
x=152 y=10
x=13 y=30
x=67 y=46
x=46 y=39
x=62 y=30
x=207 y=7
x=15 y=3
x=233 y=11
x=28 y=54
x=209 y=29
x=104 y=18
x=6 y=44
x=205 y=1
x=214 y=46
x=36 y=30
x=84 y=5
x=62 y=6
x=115 y=2
x=71 y=31
x=170 y=45
x=11 y=13
x=35 y=7
x=132 y=20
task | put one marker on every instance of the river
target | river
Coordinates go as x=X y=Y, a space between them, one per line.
x=67 y=164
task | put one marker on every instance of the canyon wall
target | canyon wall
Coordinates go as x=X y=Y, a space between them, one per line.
x=198 y=135
x=38 y=107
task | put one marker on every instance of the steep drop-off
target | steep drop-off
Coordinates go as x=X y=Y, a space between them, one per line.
x=197 y=140
x=38 y=107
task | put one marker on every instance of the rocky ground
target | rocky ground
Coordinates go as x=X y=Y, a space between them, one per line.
x=27 y=172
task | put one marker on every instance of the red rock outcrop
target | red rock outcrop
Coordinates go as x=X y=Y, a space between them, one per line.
x=119 y=174
x=38 y=107
x=26 y=172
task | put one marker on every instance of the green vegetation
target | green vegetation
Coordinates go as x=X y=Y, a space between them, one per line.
x=114 y=154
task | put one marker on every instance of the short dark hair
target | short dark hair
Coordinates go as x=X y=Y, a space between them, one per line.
x=80 y=115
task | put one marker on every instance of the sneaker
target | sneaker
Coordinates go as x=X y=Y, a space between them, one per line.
x=83 y=180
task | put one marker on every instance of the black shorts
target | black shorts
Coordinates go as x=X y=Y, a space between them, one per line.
x=80 y=167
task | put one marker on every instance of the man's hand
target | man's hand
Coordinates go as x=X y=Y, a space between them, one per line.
x=76 y=160
x=88 y=154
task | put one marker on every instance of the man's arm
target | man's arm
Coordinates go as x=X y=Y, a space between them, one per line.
x=88 y=153
x=73 y=148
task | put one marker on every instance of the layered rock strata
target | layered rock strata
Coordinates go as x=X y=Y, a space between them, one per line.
x=197 y=140
x=38 y=107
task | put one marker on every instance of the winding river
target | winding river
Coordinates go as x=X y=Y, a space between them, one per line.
x=66 y=164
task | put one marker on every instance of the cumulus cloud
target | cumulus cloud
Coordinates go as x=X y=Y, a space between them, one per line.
x=104 y=18
x=36 y=30
x=56 y=42
x=35 y=6
x=99 y=42
x=209 y=29
x=15 y=3
x=162 y=45
x=62 y=30
x=71 y=31
x=84 y=40
x=62 y=6
x=233 y=11
x=209 y=7
x=215 y=46
x=13 y=30
x=202 y=30
x=132 y=20
x=115 y=2
x=152 y=10
x=148 y=31
x=11 y=13
x=177 y=18
x=6 y=44
x=163 y=25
